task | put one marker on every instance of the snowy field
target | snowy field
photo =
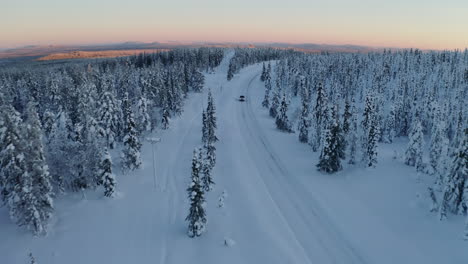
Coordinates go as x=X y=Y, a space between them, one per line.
x=277 y=207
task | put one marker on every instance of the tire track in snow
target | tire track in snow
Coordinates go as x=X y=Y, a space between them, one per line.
x=338 y=248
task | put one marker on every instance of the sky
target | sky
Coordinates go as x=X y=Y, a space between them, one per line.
x=425 y=24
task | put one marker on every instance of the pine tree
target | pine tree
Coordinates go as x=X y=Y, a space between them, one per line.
x=204 y=128
x=304 y=122
x=390 y=126
x=352 y=136
x=109 y=118
x=455 y=193
x=165 y=118
x=107 y=177
x=206 y=179
x=321 y=116
x=12 y=162
x=413 y=154
x=131 y=152
x=41 y=188
x=230 y=73
x=142 y=117
x=347 y=118
x=370 y=154
x=18 y=191
x=275 y=103
x=197 y=216
x=48 y=122
x=282 y=121
x=263 y=76
x=329 y=161
x=266 y=99
x=438 y=151
x=211 y=120
x=332 y=148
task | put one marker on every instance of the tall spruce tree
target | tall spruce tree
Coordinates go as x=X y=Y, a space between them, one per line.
x=142 y=116
x=109 y=115
x=275 y=103
x=455 y=193
x=107 y=177
x=353 y=136
x=304 y=122
x=131 y=153
x=207 y=168
x=320 y=116
x=197 y=216
x=332 y=148
x=282 y=121
x=204 y=128
x=266 y=98
x=370 y=151
x=438 y=152
x=37 y=168
x=414 y=150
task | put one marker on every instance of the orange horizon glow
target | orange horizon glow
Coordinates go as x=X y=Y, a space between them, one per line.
x=424 y=25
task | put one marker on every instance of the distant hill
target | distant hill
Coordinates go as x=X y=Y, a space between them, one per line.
x=53 y=52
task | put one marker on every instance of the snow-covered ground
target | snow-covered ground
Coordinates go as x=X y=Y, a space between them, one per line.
x=278 y=207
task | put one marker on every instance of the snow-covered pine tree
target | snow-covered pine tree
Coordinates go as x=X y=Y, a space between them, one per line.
x=282 y=121
x=353 y=136
x=370 y=152
x=197 y=81
x=320 y=114
x=12 y=162
x=37 y=168
x=211 y=120
x=369 y=112
x=438 y=152
x=204 y=128
x=142 y=116
x=230 y=72
x=48 y=121
x=166 y=117
x=347 y=118
x=197 y=216
x=275 y=103
x=338 y=133
x=414 y=150
x=107 y=177
x=455 y=193
x=131 y=153
x=109 y=115
x=266 y=98
x=390 y=126
x=332 y=148
x=328 y=161
x=32 y=260
x=207 y=168
x=304 y=121
x=263 y=75
x=61 y=153
x=16 y=182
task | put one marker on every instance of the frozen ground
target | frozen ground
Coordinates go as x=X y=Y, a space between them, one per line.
x=278 y=208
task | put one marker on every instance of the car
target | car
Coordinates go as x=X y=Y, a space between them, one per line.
x=242 y=98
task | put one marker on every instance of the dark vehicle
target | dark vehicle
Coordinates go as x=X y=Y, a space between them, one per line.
x=242 y=98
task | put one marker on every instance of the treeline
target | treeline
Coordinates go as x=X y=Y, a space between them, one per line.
x=351 y=103
x=244 y=57
x=58 y=122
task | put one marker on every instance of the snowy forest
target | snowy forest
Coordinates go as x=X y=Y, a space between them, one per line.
x=75 y=127
x=59 y=121
x=345 y=105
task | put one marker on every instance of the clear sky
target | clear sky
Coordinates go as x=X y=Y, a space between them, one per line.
x=427 y=24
